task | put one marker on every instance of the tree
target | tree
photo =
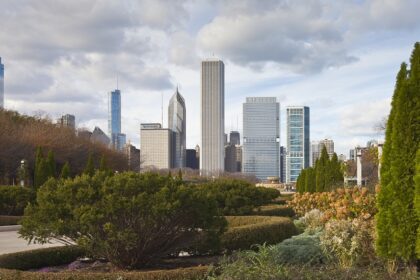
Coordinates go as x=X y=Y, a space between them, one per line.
x=90 y=167
x=310 y=181
x=397 y=222
x=417 y=200
x=321 y=171
x=130 y=219
x=65 y=171
x=336 y=172
x=41 y=169
x=51 y=166
x=102 y=165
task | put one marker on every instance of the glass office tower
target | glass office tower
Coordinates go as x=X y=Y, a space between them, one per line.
x=177 y=123
x=298 y=142
x=114 y=120
x=261 y=137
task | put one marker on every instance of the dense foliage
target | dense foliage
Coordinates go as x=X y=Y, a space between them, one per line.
x=23 y=134
x=130 y=219
x=14 y=199
x=397 y=221
x=274 y=210
x=39 y=258
x=238 y=197
x=324 y=176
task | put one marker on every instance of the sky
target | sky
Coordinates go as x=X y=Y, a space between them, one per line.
x=339 y=57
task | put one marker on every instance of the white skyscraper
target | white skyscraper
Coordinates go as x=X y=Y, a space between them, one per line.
x=155 y=146
x=212 y=117
x=1 y=85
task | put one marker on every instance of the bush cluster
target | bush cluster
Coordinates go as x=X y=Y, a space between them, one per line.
x=130 y=219
x=14 y=199
x=194 y=273
x=39 y=258
x=341 y=203
x=274 y=210
x=246 y=231
x=238 y=197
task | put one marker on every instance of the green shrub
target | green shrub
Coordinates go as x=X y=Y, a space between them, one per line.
x=9 y=220
x=274 y=210
x=300 y=249
x=14 y=199
x=39 y=258
x=245 y=231
x=312 y=222
x=194 y=273
x=130 y=219
x=238 y=197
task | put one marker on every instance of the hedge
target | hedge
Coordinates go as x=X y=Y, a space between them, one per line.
x=193 y=273
x=13 y=199
x=9 y=220
x=274 y=210
x=245 y=231
x=39 y=258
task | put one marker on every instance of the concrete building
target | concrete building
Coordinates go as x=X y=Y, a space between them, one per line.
x=177 y=123
x=114 y=120
x=155 y=146
x=298 y=142
x=282 y=164
x=235 y=138
x=261 y=137
x=212 y=159
x=192 y=159
x=1 y=85
x=133 y=157
x=67 y=120
x=317 y=146
x=98 y=136
x=233 y=158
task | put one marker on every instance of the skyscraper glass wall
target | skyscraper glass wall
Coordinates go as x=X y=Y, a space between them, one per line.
x=298 y=145
x=177 y=123
x=261 y=137
x=114 y=120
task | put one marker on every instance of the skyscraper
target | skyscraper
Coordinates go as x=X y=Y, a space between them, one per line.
x=234 y=138
x=114 y=120
x=177 y=123
x=155 y=146
x=282 y=164
x=297 y=142
x=261 y=137
x=1 y=85
x=317 y=146
x=212 y=117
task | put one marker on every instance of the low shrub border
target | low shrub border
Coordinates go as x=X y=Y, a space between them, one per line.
x=9 y=220
x=39 y=258
x=274 y=210
x=193 y=273
x=245 y=231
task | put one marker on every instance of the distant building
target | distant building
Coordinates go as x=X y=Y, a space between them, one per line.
x=239 y=152
x=212 y=159
x=282 y=164
x=298 y=141
x=261 y=137
x=155 y=146
x=317 y=147
x=192 y=159
x=233 y=158
x=372 y=143
x=67 y=120
x=114 y=120
x=235 y=138
x=1 y=85
x=177 y=123
x=133 y=157
x=342 y=158
x=84 y=134
x=352 y=154
x=98 y=136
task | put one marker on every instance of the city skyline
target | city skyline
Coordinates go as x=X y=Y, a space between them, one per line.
x=338 y=69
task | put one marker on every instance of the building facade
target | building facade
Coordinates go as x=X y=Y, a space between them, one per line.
x=177 y=123
x=192 y=159
x=261 y=137
x=98 y=136
x=282 y=164
x=316 y=149
x=133 y=157
x=67 y=120
x=298 y=142
x=1 y=85
x=235 y=138
x=155 y=146
x=114 y=120
x=212 y=159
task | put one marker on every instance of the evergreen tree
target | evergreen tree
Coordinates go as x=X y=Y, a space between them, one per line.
x=51 y=166
x=102 y=164
x=310 y=181
x=417 y=200
x=90 y=167
x=397 y=221
x=336 y=172
x=65 y=171
x=321 y=171
x=41 y=169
